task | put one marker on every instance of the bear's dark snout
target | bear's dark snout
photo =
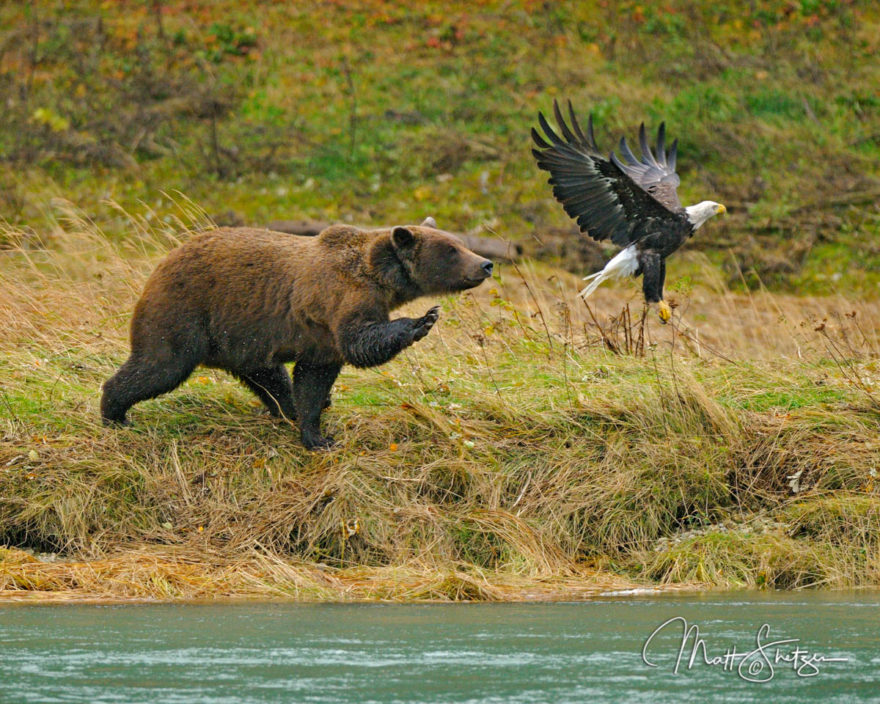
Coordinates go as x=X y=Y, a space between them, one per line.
x=479 y=271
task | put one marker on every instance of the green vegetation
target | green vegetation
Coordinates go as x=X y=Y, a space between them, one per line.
x=529 y=445
x=379 y=112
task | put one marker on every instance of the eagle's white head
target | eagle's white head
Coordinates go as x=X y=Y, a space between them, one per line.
x=699 y=213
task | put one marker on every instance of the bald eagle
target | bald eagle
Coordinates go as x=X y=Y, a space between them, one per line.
x=632 y=202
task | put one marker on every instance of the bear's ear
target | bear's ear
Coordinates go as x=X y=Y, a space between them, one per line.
x=402 y=238
x=429 y=222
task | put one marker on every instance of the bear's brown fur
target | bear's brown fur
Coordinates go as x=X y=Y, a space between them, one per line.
x=248 y=301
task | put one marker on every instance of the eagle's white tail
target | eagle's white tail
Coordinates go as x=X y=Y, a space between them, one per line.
x=624 y=263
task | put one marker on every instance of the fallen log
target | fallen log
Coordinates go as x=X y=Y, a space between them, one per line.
x=489 y=247
x=307 y=228
x=492 y=247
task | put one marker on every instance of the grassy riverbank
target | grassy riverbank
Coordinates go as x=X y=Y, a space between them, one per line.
x=526 y=447
x=529 y=446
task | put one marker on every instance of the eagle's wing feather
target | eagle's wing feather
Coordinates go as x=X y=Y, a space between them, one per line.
x=609 y=198
x=653 y=172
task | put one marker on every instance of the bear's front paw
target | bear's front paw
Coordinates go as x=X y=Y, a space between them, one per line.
x=422 y=325
x=316 y=441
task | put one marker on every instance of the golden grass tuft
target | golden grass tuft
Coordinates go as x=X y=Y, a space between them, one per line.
x=743 y=559
x=159 y=573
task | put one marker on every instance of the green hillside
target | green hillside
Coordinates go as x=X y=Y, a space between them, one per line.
x=378 y=112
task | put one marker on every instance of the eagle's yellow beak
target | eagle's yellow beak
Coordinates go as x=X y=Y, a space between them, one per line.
x=720 y=210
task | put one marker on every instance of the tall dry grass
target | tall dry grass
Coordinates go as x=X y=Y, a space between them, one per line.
x=529 y=443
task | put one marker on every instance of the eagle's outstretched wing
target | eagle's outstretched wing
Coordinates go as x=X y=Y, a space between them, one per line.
x=609 y=198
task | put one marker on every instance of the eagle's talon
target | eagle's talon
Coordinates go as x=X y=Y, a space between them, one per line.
x=664 y=311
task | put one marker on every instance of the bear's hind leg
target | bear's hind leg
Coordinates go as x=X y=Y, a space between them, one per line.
x=273 y=387
x=138 y=380
x=311 y=388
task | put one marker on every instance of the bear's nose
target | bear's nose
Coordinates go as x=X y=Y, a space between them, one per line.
x=487 y=267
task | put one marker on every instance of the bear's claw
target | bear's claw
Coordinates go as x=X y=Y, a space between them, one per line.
x=318 y=442
x=421 y=326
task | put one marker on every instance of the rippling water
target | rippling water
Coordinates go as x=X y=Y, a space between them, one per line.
x=360 y=653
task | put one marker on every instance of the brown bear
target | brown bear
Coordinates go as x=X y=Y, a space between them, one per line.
x=250 y=300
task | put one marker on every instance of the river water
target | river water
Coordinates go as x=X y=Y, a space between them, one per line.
x=477 y=653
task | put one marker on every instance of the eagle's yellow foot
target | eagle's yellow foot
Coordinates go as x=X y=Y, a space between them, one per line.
x=664 y=311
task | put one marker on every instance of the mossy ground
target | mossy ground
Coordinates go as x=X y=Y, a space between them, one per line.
x=381 y=112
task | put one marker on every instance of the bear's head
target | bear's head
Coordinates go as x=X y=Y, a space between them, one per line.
x=437 y=261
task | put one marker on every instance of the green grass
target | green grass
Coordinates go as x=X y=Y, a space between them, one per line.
x=324 y=120
x=790 y=400
x=741 y=558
